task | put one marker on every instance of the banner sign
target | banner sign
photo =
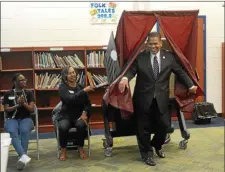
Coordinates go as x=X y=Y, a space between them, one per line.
x=103 y=12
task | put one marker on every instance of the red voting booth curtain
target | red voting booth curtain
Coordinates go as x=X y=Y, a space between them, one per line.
x=179 y=28
x=131 y=33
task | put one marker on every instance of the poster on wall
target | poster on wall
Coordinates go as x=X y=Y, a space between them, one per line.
x=103 y=12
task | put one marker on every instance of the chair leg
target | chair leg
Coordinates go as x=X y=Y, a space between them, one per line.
x=37 y=141
x=37 y=132
x=58 y=151
x=57 y=139
x=89 y=145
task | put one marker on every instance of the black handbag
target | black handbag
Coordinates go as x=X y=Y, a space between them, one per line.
x=203 y=113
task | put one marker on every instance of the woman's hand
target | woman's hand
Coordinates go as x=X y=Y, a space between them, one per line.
x=84 y=116
x=21 y=100
x=88 y=89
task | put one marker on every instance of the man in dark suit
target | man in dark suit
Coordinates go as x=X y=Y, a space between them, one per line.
x=151 y=94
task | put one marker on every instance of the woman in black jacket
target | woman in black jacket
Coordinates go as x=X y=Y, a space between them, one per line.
x=74 y=112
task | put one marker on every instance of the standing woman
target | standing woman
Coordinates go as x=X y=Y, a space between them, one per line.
x=75 y=111
x=18 y=104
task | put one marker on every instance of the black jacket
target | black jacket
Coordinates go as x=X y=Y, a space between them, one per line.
x=146 y=85
x=74 y=102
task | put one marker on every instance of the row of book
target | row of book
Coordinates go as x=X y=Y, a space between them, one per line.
x=48 y=60
x=48 y=81
x=95 y=59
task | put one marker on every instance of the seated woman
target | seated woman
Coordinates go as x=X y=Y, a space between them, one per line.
x=18 y=104
x=74 y=112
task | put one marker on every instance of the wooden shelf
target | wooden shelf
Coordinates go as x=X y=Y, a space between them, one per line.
x=3 y=91
x=95 y=67
x=53 y=69
x=60 y=48
x=95 y=48
x=44 y=69
x=15 y=70
x=16 y=49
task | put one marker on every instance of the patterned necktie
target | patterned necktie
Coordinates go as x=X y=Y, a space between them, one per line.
x=155 y=67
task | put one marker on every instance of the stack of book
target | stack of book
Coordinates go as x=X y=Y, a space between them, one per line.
x=97 y=80
x=47 y=81
x=95 y=59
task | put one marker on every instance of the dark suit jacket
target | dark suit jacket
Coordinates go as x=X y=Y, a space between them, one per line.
x=146 y=85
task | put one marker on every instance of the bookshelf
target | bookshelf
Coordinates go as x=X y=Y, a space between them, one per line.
x=42 y=67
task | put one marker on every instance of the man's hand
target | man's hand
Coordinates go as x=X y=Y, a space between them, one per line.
x=193 y=89
x=123 y=84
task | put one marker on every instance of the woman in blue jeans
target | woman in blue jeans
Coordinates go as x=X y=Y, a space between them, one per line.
x=18 y=104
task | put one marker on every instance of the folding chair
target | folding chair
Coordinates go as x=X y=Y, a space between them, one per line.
x=35 y=129
x=72 y=140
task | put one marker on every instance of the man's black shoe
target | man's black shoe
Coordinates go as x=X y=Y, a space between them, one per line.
x=144 y=156
x=160 y=153
x=150 y=161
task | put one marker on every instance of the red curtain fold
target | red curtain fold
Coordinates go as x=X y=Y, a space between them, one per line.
x=135 y=31
x=119 y=39
x=180 y=29
x=178 y=39
x=131 y=32
x=193 y=38
x=137 y=28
